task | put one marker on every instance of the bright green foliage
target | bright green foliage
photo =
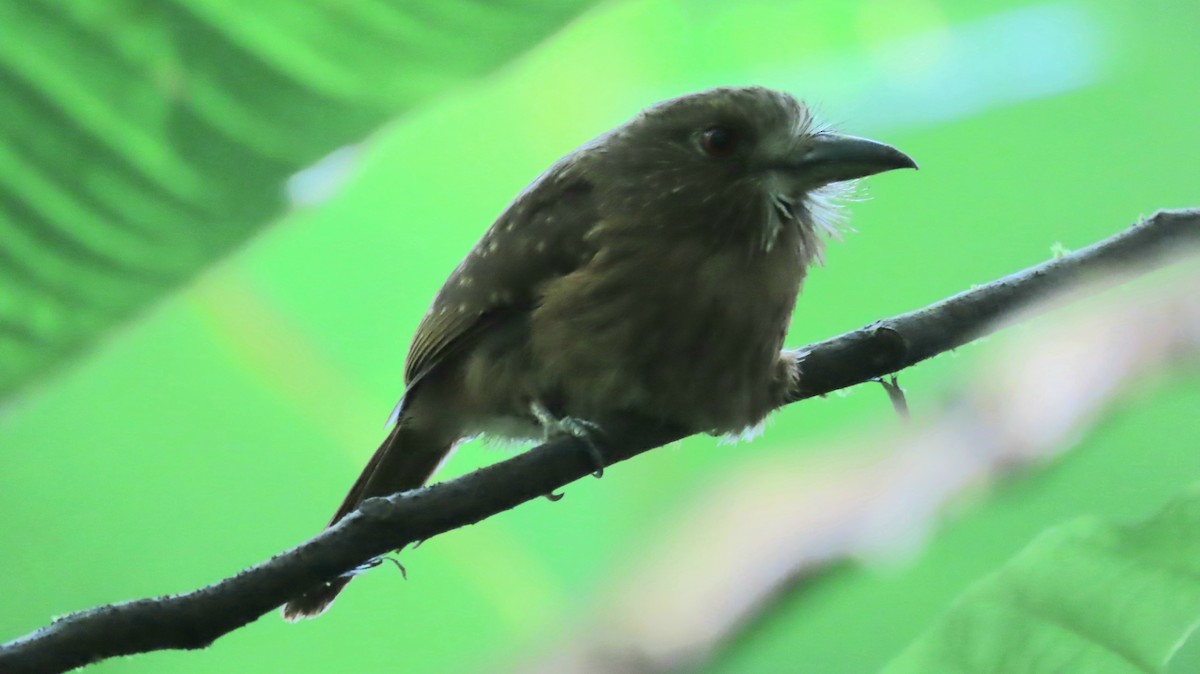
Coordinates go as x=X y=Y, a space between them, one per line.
x=1084 y=597
x=140 y=140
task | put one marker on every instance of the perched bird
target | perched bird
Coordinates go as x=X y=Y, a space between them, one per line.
x=652 y=271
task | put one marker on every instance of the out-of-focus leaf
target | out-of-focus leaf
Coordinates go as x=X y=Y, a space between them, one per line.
x=1085 y=597
x=142 y=139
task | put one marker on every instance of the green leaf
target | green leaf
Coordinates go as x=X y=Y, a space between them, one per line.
x=142 y=139
x=1084 y=597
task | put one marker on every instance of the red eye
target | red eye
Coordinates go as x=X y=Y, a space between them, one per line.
x=718 y=141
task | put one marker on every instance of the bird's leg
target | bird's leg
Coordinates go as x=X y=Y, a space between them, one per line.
x=586 y=431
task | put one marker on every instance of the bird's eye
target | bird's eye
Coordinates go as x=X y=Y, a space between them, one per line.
x=718 y=141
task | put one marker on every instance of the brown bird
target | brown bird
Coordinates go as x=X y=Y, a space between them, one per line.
x=652 y=271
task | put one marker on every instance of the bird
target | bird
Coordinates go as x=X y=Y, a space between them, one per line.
x=653 y=272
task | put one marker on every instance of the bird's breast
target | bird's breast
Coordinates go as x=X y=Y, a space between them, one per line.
x=681 y=330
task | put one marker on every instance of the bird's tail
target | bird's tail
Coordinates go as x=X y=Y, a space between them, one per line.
x=406 y=460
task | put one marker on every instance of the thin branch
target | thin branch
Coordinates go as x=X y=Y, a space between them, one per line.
x=195 y=619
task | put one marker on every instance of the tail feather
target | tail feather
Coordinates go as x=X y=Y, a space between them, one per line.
x=405 y=460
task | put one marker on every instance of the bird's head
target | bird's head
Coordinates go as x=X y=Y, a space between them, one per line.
x=743 y=162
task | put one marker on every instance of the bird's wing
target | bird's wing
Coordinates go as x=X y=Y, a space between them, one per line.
x=541 y=236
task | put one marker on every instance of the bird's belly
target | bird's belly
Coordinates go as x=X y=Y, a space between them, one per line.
x=692 y=339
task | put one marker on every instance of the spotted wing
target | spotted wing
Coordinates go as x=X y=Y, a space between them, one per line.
x=540 y=237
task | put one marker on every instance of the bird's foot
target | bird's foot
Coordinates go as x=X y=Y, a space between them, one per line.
x=896 y=395
x=586 y=431
x=377 y=561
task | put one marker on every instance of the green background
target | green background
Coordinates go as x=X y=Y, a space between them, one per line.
x=225 y=421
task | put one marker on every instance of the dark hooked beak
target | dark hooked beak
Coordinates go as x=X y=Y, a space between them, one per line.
x=829 y=158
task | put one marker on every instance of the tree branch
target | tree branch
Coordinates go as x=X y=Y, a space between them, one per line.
x=195 y=619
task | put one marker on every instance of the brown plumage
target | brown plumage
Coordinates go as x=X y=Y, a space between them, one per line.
x=653 y=271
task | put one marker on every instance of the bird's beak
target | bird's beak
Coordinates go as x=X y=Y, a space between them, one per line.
x=829 y=158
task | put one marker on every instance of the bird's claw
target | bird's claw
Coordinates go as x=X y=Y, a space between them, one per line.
x=378 y=561
x=895 y=394
x=582 y=429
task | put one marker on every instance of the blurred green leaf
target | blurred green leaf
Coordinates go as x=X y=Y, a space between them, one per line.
x=143 y=139
x=1085 y=597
